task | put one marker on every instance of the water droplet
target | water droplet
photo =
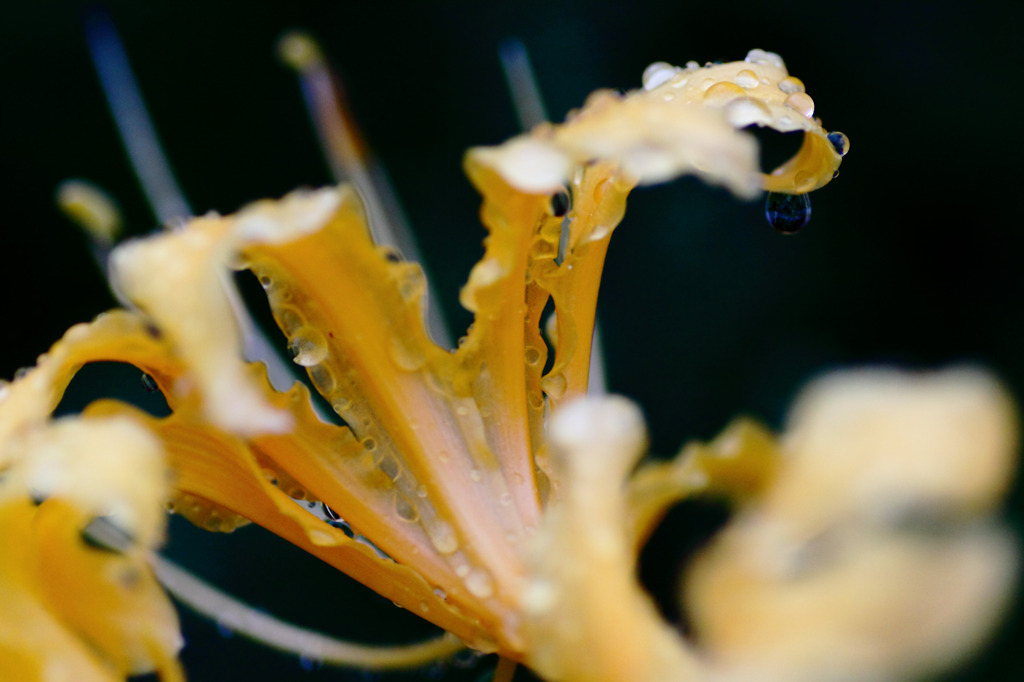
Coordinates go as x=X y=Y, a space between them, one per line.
x=288 y=319
x=389 y=465
x=802 y=102
x=307 y=346
x=341 y=404
x=746 y=79
x=554 y=385
x=476 y=475
x=265 y=281
x=532 y=355
x=787 y=213
x=413 y=283
x=764 y=57
x=560 y=203
x=479 y=583
x=405 y=509
x=440 y=594
x=149 y=383
x=840 y=142
x=744 y=111
x=323 y=378
x=442 y=536
x=505 y=500
x=371 y=445
x=791 y=84
x=656 y=74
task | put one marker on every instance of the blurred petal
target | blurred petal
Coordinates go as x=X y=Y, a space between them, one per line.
x=80 y=513
x=872 y=556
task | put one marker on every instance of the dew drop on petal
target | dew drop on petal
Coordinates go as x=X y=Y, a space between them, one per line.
x=745 y=111
x=442 y=536
x=323 y=378
x=802 y=102
x=757 y=56
x=787 y=213
x=307 y=346
x=722 y=92
x=746 y=79
x=791 y=84
x=405 y=510
x=554 y=385
x=479 y=583
x=657 y=74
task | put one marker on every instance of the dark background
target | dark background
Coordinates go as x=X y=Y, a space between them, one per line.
x=912 y=255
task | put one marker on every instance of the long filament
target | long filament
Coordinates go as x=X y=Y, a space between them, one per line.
x=314 y=646
x=133 y=122
x=349 y=160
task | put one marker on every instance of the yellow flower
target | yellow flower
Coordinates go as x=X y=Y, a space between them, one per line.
x=476 y=486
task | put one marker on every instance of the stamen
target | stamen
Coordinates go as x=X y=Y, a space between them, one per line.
x=96 y=212
x=349 y=160
x=133 y=122
x=92 y=209
x=243 y=619
x=154 y=172
x=515 y=63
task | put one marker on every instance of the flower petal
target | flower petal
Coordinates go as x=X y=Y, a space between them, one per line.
x=685 y=120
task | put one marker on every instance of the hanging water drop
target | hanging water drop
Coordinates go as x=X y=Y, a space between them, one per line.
x=787 y=213
x=840 y=142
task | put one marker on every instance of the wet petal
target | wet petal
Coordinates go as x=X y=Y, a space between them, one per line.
x=684 y=120
x=220 y=473
x=179 y=279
